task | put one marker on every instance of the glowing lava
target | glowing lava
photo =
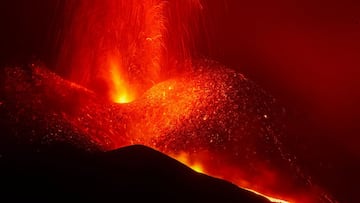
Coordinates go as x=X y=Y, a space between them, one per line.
x=211 y=119
x=267 y=197
x=185 y=159
x=114 y=47
x=198 y=167
x=119 y=89
x=205 y=115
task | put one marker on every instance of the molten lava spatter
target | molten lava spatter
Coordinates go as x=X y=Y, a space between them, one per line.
x=145 y=40
x=97 y=34
x=212 y=119
x=139 y=52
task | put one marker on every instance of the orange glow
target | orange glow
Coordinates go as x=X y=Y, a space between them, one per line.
x=197 y=166
x=271 y=199
x=119 y=89
x=201 y=163
x=169 y=105
x=114 y=47
x=133 y=45
x=185 y=159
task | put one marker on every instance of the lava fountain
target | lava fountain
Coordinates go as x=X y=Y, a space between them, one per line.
x=121 y=48
x=141 y=52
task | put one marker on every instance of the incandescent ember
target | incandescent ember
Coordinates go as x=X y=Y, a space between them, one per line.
x=216 y=118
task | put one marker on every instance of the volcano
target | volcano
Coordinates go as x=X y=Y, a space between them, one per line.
x=213 y=119
x=262 y=97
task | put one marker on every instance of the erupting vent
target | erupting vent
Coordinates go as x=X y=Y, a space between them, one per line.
x=199 y=112
x=212 y=119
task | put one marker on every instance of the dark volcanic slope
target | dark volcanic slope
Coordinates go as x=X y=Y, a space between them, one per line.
x=62 y=173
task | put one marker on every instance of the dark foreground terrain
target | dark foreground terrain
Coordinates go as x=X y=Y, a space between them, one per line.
x=60 y=173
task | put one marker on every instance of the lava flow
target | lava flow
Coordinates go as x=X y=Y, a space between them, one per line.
x=199 y=112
